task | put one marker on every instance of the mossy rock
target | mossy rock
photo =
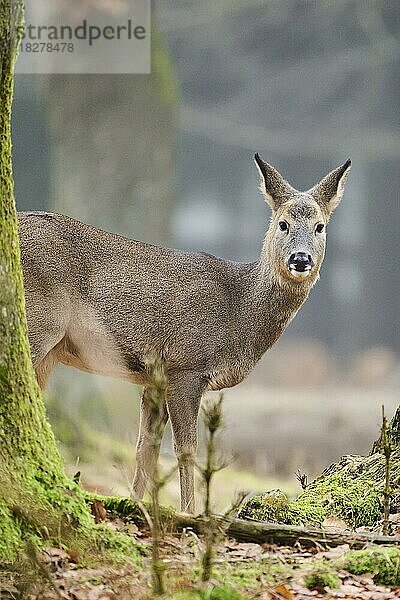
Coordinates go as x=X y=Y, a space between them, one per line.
x=275 y=507
x=383 y=563
x=350 y=490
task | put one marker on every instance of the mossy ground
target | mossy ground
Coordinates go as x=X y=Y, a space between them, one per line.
x=321 y=576
x=356 y=501
x=382 y=563
x=216 y=593
x=250 y=575
x=38 y=515
x=317 y=573
x=234 y=577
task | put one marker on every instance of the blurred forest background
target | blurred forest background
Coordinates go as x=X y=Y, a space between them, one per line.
x=167 y=158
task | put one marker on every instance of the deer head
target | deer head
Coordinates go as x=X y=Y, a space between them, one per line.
x=296 y=238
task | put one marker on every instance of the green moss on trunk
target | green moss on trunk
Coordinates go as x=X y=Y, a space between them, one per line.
x=37 y=500
x=29 y=458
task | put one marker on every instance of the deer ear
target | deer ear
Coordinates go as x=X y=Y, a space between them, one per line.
x=273 y=186
x=329 y=191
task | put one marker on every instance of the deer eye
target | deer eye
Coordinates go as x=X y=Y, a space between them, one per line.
x=283 y=226
x=320 y=227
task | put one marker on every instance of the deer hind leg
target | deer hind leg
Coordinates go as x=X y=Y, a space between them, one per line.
x=147 y=448
x=45 y=367
x=183 y=402
x=45 y=339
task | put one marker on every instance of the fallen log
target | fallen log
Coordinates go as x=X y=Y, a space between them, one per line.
x=258 y=532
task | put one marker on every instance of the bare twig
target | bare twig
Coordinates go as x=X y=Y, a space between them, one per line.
x=386 y=447
x=40 y=567
x=236 y=504
x=212 y=414
x=302 y=479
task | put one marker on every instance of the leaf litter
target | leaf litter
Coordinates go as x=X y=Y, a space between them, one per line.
x=257 y=571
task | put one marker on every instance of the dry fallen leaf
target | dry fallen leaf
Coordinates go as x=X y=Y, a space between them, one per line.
x=246 y=550
x=98 y=511
x=284 y=592
x=300 y=592
x=395 y=518
x=265 y=595
x=348 y=588
x=88 y=591
x=336 y=552
x=335 y=524
x=8 y=591
x=56 y=557
x=73 y=555
x=132 y=529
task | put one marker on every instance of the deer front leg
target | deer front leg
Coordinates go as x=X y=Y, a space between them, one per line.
x=147 y=449
x=183 y=402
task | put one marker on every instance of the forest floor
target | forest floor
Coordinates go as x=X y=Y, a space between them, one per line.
x=250 y=570
x=241 y=571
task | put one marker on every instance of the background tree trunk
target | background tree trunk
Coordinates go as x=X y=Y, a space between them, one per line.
x=32 y=479
x=121 y=129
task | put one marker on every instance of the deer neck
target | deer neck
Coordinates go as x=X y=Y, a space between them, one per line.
x=275 y=302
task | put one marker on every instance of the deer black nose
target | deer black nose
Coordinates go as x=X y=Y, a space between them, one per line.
x=300 y=261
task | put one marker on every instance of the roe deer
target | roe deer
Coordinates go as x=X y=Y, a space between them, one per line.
x=103 y=303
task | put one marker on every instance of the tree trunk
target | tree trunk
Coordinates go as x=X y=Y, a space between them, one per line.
x=113 y=146
x=36 y=498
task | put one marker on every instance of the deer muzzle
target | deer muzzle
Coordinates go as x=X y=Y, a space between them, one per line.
x=300 y=264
